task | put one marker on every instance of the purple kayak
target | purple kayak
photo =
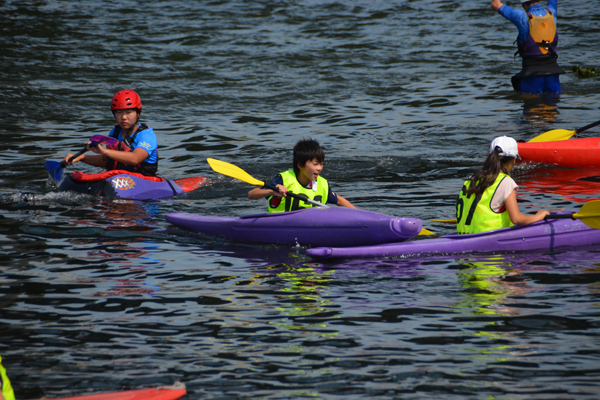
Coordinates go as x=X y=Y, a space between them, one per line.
x=317 y=226
x=120 y=184
x=540 y=236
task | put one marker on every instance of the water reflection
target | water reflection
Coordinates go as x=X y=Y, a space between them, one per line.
x=303 y=286
x=578 y=185
x=484 y=287
x=540 y=108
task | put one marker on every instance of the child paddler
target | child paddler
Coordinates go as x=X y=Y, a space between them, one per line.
x=488 y=200
x=137 y=148
x=6 y=390
x=304 y=179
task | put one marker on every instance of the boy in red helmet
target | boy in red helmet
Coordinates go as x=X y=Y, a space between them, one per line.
x=137 y=150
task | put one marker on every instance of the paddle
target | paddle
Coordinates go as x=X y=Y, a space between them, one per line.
x=589 y=214
x=560 y=134
x=445 y=221
x=233 y=171
x=55 y=168
x=225 y=168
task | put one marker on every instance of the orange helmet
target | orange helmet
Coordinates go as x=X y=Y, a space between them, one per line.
x=126 y=99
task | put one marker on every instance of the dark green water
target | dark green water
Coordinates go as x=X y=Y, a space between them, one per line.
x=404 y=95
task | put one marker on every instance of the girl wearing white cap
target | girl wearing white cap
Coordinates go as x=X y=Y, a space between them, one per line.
x=488 y=200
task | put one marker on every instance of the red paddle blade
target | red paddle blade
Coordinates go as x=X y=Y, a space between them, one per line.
x=193 y=183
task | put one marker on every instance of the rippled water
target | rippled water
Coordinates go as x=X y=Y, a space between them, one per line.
x=404 y=95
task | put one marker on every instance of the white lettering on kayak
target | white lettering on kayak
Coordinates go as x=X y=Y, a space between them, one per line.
x=123 y=183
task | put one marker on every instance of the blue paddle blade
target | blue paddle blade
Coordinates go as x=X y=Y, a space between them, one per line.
x=55 y=170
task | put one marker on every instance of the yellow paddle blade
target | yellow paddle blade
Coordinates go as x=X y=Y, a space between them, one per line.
x=445 y=221
x=554 y=135
x=231 y=170
x=589 y=214
x=425 y=232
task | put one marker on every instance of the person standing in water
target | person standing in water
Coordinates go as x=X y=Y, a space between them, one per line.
x=537 y=42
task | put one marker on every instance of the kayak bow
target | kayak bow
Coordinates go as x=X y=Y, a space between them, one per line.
x=160 y=393
x=574 y=153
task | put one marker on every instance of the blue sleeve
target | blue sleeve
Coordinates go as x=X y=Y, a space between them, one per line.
x=517 y=17
x=553 y=7
x=332 y=197
x=146 y=140
x=277 y=181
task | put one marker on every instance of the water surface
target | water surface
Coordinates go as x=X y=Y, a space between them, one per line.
x=404 y=96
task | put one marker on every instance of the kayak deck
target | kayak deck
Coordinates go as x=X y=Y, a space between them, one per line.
x=317 y=226
x=125 y=185
x=541 y=236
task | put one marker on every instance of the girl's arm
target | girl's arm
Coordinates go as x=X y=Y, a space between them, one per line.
x=516 y=216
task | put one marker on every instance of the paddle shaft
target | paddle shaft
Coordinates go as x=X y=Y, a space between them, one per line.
x=296 y=196
x=593 y=124
x=547 y=217
x=63 y=163
x=551 y=216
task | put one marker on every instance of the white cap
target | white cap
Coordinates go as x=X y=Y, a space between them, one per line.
x=508 y=146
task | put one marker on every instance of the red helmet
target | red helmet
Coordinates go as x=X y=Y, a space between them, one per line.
x=126 y=99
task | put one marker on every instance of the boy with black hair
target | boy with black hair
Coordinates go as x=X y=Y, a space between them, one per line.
x=304 y=179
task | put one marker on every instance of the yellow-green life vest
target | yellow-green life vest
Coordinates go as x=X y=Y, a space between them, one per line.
x=7 y=390
x=474 y=213
x=282 y=204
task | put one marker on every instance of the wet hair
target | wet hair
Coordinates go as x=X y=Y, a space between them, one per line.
x=307 y=150
x=529 y=3
x=494 y=164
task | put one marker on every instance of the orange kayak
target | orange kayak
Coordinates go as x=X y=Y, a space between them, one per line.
x=573 y=153
x=162 y=393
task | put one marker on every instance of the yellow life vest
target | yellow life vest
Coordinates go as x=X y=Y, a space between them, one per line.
x=283 y=204
x=7 y=390
x=474 y=213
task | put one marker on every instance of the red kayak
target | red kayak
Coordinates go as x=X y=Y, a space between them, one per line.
x=162 y=393
x=573 y=153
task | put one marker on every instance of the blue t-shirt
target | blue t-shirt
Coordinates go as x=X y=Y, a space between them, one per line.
x=331 y=197
x=519 y=17
x=145 y=140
